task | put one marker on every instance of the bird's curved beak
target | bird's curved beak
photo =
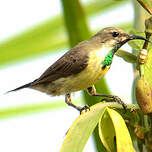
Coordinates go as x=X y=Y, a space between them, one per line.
x=132 y=37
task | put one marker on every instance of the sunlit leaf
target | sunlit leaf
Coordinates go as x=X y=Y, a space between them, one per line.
x=114 y=133
x=84 y=125
x=107 y=132
x=82 y=129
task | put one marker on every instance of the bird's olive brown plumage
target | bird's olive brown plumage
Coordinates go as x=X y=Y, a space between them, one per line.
x=82 y=66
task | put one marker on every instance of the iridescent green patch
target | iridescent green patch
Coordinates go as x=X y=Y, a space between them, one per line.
x=108 y=59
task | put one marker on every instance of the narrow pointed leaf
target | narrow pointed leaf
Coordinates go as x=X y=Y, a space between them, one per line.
x=107 y=132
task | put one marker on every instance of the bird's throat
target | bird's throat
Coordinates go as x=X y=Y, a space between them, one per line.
x=108 y=58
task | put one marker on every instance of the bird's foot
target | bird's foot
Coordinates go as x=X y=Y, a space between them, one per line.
x=80 y=109
x=115 y=99
x=83 y=109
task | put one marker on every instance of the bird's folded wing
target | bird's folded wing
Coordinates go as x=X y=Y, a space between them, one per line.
x=71 y=63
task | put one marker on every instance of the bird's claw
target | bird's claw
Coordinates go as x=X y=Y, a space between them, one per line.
x=85 y=108
x=116 y=99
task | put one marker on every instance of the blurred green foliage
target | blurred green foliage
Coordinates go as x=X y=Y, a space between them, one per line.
x=49 y=36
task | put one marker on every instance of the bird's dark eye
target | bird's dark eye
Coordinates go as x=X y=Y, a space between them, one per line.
x=115 y=34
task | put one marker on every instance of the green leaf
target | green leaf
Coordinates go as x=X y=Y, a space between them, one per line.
x=84 y=125
x=128 y=57
x=114 y=133
x=82 y=128
x=34 y=41
x=107 y=132
x=48 y=36
x=15 y=111
x=9 y=112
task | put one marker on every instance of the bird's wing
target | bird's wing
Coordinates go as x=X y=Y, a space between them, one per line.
x=71 y=63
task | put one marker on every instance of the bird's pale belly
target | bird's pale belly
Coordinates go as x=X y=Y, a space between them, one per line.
x=83 y=80
x=87 y=78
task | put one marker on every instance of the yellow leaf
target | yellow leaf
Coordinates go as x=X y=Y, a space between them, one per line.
x=82 y=128
x=114 y=133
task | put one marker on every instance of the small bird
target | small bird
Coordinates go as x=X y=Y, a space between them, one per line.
x=82 y=66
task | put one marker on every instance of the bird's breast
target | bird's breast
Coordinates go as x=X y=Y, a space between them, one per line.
x=95 y=65
x=92 y=73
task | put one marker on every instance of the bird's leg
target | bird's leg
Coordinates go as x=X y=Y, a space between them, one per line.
x=92 y=92
x=69 y=102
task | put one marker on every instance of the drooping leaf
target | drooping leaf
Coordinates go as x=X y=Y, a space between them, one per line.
x=84 y=125
x=82 y=129
x=114 y=133
x=107 y=132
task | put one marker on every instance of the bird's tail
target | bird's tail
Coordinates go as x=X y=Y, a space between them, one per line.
x=21 y=87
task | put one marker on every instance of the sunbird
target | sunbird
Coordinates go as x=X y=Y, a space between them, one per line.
x=82 y=66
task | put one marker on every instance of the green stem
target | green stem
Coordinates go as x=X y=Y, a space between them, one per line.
x=141 y=70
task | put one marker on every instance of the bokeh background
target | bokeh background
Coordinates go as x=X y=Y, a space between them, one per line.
x=32 y=37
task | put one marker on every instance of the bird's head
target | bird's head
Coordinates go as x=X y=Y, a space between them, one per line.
x=114 y=38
